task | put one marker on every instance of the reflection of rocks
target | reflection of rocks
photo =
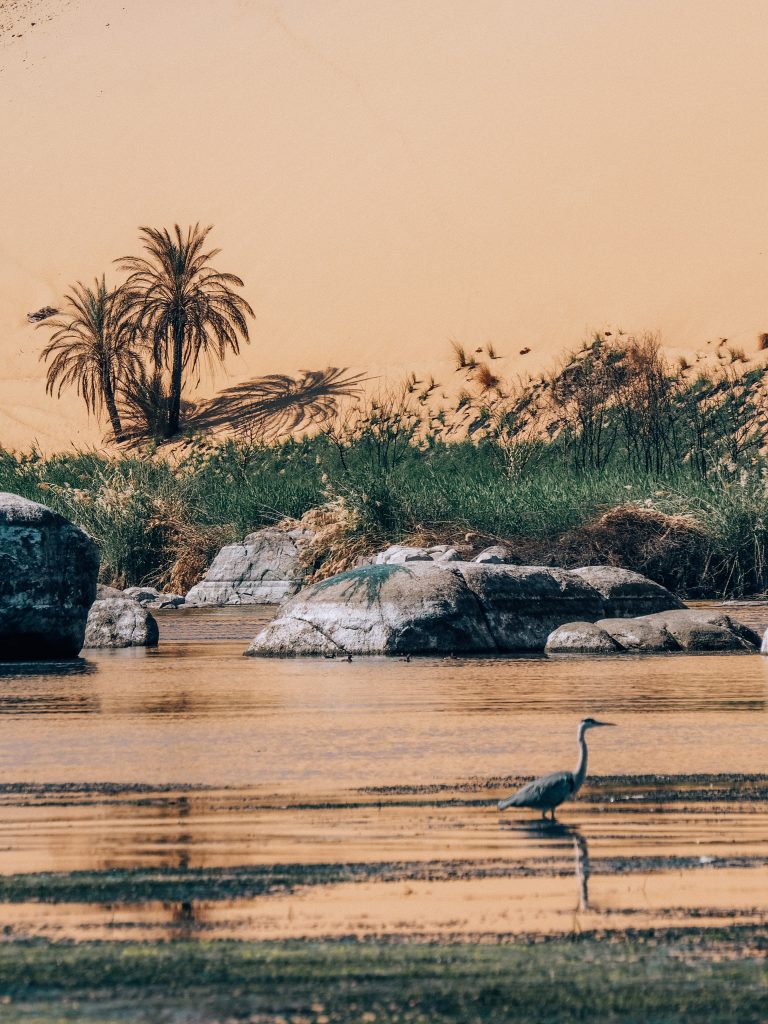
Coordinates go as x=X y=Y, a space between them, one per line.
x=687 y=629
x=48 y=571
x=120 y=622
x=422 y=607
x=264 y=569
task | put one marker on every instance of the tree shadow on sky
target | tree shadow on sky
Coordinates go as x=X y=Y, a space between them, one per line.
x=278 y=404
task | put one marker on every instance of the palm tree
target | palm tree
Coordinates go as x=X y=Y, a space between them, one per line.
x=184 y=308
x=90 y=349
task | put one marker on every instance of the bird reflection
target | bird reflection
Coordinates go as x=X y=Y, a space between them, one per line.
x=559 y=834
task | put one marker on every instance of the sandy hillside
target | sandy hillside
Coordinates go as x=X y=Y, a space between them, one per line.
x=388 y=175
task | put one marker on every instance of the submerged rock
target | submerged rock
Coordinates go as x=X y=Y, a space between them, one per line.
x=264 y=569
x=686 y=629
x=48 y=570
x=120 y=622
x=423 y=607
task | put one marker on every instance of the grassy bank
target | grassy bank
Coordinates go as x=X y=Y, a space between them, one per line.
x=160 y=520
x=650 y=978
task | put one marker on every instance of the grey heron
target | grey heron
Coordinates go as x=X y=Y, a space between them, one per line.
x=548 y=792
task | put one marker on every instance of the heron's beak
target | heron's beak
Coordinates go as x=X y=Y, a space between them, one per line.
x=611 y=724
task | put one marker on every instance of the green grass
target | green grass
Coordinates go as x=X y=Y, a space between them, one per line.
x=643 y=978
x=158 y=521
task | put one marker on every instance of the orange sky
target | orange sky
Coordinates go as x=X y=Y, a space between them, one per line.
x=389 y=174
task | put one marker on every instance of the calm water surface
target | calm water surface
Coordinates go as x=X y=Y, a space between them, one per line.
x=193 y=758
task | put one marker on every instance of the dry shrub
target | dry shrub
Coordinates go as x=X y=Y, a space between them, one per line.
x=338 y=542
x=671 y=549
x=486 y=379
x=190 y=548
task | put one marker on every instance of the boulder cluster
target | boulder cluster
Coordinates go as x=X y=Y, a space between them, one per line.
x=421 y=607
x=406 y=600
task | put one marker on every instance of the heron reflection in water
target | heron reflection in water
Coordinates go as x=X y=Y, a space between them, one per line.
x=556 y=832
x=549 y=791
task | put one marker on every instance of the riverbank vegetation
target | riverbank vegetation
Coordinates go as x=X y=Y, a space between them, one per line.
x=615 y=456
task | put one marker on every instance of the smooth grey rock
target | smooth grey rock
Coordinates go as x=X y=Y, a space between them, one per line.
x=687 y=629
x=625 y=593
x=496 y=554
x=522 y=604
x=706 y=629
x=120 y=622
x=264 y=569
x=379 y=609
x=423 y=607
x=398 y=554
x=103 y=591
x=151 y=597
x=48 y=572
x=639 y=635
x=581 y=638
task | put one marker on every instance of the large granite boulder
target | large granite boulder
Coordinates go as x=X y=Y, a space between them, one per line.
x=423 y=607
x=48 y=570
x=687 y=629
x=264 y=569
x=120 y=622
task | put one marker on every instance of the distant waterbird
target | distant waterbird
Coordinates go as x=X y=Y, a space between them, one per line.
x=548 y=792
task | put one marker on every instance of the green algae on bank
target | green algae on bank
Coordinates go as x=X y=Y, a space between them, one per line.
x=661 y=976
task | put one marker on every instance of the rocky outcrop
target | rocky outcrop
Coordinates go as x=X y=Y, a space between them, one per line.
x=687 y=629
x=48 y=570
x=120 y=622
x=497 y=554
x=398 y=554
x=264 y=569
x=422 y=607
x=151 y=597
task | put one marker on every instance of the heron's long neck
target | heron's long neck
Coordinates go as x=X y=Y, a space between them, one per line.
x=581 y=768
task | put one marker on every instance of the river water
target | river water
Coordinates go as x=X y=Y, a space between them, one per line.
x=189 y=790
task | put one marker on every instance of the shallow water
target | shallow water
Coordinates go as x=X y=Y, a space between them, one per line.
x=207 y=769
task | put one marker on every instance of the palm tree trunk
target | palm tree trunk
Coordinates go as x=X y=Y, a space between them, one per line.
x=174 y=411
x=109 y=401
